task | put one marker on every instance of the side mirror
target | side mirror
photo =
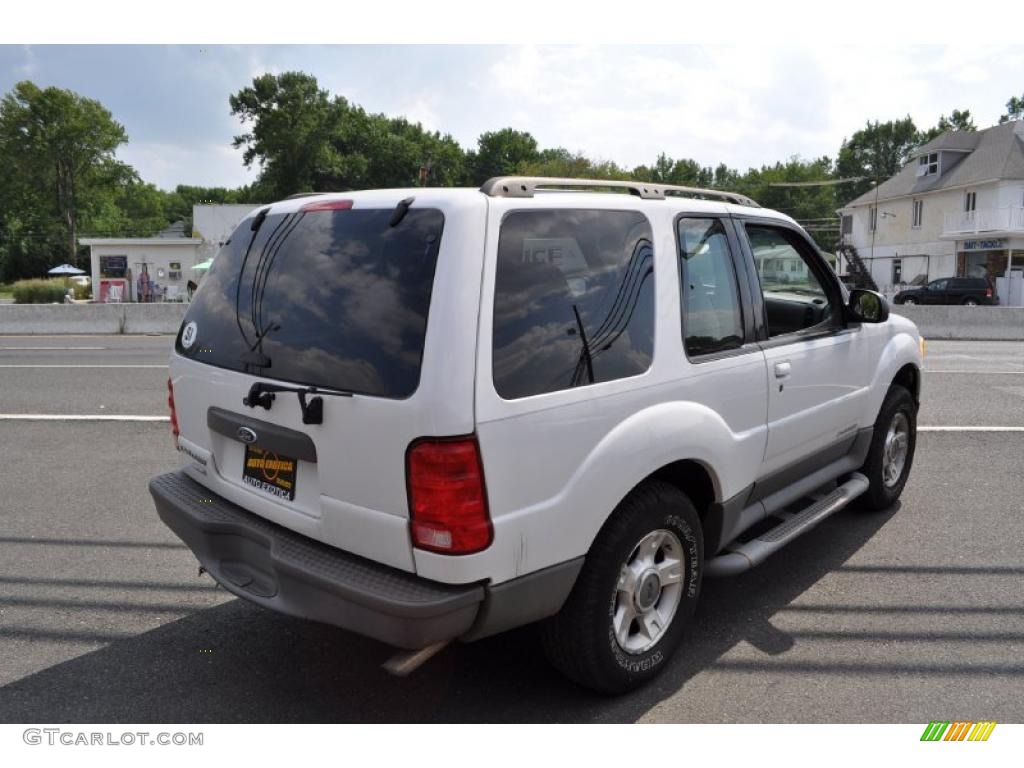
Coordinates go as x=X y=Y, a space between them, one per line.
x=867 y=307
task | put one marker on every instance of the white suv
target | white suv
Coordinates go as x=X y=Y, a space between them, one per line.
x=430 y=414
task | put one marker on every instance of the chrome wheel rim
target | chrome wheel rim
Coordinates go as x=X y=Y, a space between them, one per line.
x=897 y=446
x=648 y=592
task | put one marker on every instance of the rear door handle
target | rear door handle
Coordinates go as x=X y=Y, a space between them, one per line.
x=782 y=370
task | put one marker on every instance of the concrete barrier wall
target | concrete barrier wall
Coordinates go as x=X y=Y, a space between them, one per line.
x=955 y=322
x=90 y=318
x=959 y=322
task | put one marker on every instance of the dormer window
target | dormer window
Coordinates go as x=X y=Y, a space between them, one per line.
x=928 y=164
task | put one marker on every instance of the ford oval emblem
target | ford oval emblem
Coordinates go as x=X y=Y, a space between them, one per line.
x=246 y=435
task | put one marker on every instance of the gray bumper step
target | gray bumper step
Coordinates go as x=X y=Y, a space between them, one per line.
x=756 y=551
x=284 y=571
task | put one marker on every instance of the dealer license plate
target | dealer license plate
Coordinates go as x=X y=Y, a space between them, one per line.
x=269 y=472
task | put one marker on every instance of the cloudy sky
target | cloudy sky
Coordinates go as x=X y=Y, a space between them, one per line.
x=744 y=106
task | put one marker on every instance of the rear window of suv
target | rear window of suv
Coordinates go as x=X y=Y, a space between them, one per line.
x=333 y=298
x=574 y=300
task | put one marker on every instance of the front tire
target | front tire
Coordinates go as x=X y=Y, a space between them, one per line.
x=891 y=454
x=635 y=595
x=909 y=300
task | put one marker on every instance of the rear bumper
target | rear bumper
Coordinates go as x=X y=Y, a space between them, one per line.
x=286 y=572
x=290 y=573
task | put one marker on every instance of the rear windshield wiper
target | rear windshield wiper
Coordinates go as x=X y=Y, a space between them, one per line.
x=262 y=394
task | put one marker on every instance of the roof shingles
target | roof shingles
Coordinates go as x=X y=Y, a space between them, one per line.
x=996 y=153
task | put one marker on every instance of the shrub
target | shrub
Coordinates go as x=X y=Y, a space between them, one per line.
x=82 y=291
x=39 y=291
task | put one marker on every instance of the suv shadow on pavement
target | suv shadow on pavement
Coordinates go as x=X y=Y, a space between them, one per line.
x=239 y=663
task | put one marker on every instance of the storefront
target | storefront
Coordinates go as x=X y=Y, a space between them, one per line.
x=988 y=258
x=141 y=269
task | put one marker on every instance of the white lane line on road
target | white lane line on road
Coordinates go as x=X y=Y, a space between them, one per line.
x=98 y=365
x=53 y=349
x=975 y=373
x=970 y=429
x=78 y=417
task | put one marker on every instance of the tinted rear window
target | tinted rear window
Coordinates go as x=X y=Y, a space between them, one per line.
x=574 y=300
x=339 y=297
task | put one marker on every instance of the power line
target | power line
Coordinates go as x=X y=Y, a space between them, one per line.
x=828 y=183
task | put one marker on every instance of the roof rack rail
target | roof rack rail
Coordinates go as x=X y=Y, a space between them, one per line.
x=527 y=186
x=305 y=194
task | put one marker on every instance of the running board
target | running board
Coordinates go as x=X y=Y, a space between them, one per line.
x=756 y=551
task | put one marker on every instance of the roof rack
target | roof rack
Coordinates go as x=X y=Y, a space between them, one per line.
x=527 y=186
x=297 y=195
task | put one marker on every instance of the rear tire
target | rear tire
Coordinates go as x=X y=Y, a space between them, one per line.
x=971 y=302
x=891 y=454
x=909 y=301
x=621 y=623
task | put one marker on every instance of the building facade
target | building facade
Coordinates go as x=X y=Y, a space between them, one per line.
x=160 y=268
x=141 y=268
x=213 y=225
x=956 y=209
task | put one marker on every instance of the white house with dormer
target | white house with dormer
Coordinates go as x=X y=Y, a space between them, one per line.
x=956 y=209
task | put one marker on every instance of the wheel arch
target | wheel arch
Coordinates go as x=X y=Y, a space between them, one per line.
x=909 y=377
x=695 y=479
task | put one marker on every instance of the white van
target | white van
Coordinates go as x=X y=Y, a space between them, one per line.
x=430 y=414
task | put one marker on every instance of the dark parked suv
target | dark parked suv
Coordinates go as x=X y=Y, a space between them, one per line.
x=950 y=290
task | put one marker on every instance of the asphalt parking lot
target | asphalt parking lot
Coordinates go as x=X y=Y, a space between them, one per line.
x=910 y=615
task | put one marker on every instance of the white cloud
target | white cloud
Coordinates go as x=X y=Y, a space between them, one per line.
x=744 y=105
x=167 y=165
x=741 y=105
x=423 y=108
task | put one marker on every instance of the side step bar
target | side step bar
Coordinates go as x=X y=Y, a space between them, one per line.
x=756 y=551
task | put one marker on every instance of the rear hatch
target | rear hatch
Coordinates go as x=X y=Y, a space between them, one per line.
x=367 y=300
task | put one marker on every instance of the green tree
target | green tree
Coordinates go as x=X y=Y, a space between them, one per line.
x=290 y=122
x=683 y=172
x=1014 y=109
x=876 y=152
x=57 y=151
x=957 y=121
x=561 y=163
x=800 y=188
x=500 y=153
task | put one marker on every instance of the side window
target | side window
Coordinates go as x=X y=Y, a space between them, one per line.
x=938 y=285
x=712 y=320
x=794 y=298
x=573 y=300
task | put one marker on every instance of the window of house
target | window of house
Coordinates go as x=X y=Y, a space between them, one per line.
x=928 y=164
x=872 y=218
x=970 y=201
x=897 y=271
x=918 y=214
x=710 y=293
x=846 y=225
x=174 y=270
x=573 y=300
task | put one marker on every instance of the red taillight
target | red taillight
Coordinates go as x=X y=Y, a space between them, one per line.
x=447 y=498
x=988 y=293
x=174 y=414
x=327 y=205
